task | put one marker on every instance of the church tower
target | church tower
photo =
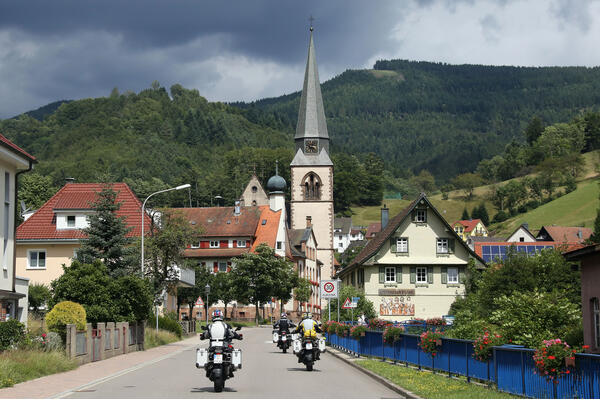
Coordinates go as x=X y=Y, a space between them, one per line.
x=312 y=169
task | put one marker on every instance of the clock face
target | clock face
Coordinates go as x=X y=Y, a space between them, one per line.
x=311 y=146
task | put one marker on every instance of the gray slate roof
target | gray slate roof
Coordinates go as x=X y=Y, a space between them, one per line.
x=343 y=223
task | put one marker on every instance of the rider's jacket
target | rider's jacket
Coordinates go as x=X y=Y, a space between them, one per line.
x=283 y=325
x=219 y=330
x=308 y=328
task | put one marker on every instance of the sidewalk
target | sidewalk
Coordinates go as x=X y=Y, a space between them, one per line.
x=58 y=385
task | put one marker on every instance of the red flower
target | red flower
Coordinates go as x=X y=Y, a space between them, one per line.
x=551 y=357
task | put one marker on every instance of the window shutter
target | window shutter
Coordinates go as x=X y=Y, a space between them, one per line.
x=228 y=267
x=444 y=275
x=413 y=275
x=398 y=274
x=451 y=245
x=429 y=274
x=216 y=267
x=381 y=274
x=461 y=275
x=393 y=246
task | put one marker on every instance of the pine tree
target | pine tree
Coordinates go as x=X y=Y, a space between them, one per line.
x=465 y=214
x=480 y=212
x=106 y=235
x=595 y=237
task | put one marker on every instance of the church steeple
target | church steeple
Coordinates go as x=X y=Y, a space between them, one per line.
x=311 y=131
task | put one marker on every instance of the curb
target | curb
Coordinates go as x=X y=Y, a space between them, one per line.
x=382 y=380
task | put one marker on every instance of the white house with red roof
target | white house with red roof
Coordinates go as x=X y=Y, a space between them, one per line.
x=51 y=236
x=13 y=287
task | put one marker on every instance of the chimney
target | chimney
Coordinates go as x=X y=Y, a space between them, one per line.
x=308 y=221
x=237 y=209
x=385 y=216
x=526 y=225
x=69 y=180
x=579 y=234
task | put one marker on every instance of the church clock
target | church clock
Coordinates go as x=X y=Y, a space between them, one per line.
x=311 y=146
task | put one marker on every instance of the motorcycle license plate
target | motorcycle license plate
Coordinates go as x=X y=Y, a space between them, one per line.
x=218 y=359
x=283 y=338
x=309 y=346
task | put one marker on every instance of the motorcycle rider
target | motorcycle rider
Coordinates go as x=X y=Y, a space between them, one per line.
x=219 y=330
x=308 y=328
x=283 y=324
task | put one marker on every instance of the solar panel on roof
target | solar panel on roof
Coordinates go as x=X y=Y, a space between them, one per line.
x=495 y=250
x=503 y=250
x=486 y=250
x=530 y=250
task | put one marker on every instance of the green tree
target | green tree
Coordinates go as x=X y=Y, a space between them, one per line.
x=38 y=296
x=467 y=182
x=165 y=246
x=465 y=214
x=424 y=181
x=35 y=189
x=223 y=289
x=257 y=276
x=534 y=130
x=106 y=235
x=189 y=295
x=480 y=212
x=364 y=305
x=303 y=290
x=561 y=139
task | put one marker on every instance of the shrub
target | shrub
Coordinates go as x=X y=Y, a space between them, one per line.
x=391 y=334
x=168 y=324
x=358 y=331
x=342 y=329
x=64 y=313
x=431 y=342
x=550 y=359
x=12 y=333
x=53 y=342
x=482 y=346
x=501 y=216
x=435 y=321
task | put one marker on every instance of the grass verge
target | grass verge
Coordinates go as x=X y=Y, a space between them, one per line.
x=153 y=339
x=23 y=365
x=428 y=385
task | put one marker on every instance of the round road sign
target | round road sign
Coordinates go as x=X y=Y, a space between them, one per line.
x=329 y=287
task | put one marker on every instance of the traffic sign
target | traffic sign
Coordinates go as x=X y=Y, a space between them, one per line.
x=329 y=289
x=355 y=299
x=348 y=304
x=199 y=302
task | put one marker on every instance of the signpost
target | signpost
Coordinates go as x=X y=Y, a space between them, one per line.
x=351 y=304
x=329 y=289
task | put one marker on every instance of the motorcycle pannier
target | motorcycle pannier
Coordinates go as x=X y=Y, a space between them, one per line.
x=275 y=337
x=236 y=358
x=201 y=357
x=321 y=345
x=297 y=346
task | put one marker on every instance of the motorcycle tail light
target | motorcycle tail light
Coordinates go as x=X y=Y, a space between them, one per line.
x=230 y=346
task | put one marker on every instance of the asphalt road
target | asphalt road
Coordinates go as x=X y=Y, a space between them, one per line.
x=266 y=373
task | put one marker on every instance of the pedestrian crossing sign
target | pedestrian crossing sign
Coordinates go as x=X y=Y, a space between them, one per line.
x=199 y=302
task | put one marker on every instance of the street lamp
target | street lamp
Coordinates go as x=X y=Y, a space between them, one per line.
x=144 y=205
x=207 y=291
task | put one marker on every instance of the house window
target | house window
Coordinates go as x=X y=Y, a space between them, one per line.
x=37 y=259
x=361 y=276
x=596 y=321
x=421 y=274
x=452 y=275
x=279 y=244
x=521 y=239
x=312 y=187
x=341 y=245
x=390 y=274
x=196 y=245
x=402 y=245
x=241 y=243
x=214 y=243
x=339 y=237
x=254 y=189
x=442 y=246
x=421 y=215
x=71 y=221
x=222 y=266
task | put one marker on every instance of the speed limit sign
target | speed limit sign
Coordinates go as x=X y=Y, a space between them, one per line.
x=329 y=289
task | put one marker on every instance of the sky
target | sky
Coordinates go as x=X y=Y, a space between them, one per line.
x=244 y=50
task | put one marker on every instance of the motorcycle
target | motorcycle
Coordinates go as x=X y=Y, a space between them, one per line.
x=220 y=359
x=308 y=350
x=282 y=340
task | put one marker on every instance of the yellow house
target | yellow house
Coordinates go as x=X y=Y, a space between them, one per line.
x=470 y=228
x=415 y=267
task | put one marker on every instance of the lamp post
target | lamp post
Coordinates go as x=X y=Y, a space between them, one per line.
x=144 y=206
x=207 y=291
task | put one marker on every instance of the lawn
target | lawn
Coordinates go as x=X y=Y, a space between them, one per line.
x=23 y=365
x=428 y=385
x=152 y=338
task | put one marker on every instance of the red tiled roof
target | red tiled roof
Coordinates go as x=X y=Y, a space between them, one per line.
x=267 y=233
x=42 y=224
x=215 y=253
x=568 y=234
x=469 y=224
x=373 y=229
x=13 y=147
x=221 y=221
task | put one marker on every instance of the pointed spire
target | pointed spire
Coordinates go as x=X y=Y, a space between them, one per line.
x=311 y=115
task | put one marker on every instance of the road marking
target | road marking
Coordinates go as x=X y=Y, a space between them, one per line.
x=66 y=393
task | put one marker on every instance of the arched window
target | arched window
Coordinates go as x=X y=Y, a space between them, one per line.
x=311 y=186
x=596 y=321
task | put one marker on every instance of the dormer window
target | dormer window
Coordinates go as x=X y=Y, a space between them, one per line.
x=71 y=221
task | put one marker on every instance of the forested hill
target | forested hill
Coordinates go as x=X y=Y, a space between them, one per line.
x=440 y=117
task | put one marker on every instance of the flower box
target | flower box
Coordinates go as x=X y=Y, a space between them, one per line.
x=569 y=361
x=362 y=334
x=438 y=342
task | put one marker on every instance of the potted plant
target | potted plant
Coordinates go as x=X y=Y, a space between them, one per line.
x=391 y=334
x=358 y=331
x=553 y=359
x=431 y=342
x=482 y=346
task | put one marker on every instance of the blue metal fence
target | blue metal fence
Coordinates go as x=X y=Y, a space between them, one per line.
x=511 y=368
